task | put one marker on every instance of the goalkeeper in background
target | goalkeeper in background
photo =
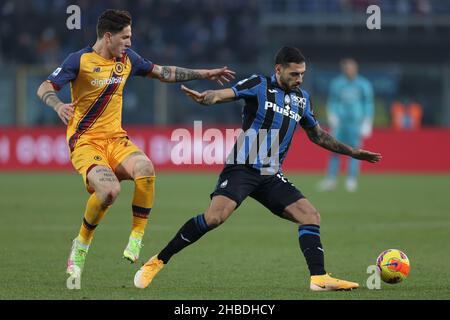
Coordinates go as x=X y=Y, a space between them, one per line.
x=350 y=116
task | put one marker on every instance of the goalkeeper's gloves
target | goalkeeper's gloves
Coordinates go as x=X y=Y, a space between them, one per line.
x=366 y=128
x=333 y=120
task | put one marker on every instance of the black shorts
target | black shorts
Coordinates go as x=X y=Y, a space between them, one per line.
x=274 y=192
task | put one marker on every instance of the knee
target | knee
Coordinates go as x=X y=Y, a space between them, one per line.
x=108 y=194
x=143 y=168
x=305 y=214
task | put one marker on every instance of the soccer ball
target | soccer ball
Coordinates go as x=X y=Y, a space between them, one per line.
x=392 y=266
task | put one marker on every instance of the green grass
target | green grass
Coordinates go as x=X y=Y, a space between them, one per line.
x=254 y=255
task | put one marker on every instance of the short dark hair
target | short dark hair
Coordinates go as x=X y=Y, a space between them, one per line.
x=113 y=21
x=287 y=55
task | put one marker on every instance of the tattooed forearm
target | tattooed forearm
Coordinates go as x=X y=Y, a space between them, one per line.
x=325 y=140
x=182 y=74
x=51 y=99
x=176 y=74
x=165 y=73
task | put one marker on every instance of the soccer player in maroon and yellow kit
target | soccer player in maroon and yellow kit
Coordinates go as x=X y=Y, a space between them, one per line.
x=100 y=149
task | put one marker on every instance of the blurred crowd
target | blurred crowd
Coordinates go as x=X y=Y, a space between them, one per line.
x=165 y=31
x=422 y=7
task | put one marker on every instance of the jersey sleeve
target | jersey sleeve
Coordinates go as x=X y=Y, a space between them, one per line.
x=308 y=119
x=247 y=88
x=66 y=72
x=139 y=66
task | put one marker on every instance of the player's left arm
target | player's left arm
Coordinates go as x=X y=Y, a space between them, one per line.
x=178 y=74
x=322 y=138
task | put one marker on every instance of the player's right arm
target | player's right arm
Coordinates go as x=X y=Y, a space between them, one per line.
x=210 y=97
x=65 y=73
x=244 y=89
x=47 y=93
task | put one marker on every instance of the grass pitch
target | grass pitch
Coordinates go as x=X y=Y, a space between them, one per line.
x=254 y=255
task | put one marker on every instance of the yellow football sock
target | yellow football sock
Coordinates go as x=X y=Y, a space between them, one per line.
x=144 y=194
x=92 y=216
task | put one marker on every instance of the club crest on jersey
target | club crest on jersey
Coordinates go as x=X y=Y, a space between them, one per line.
x=286 y=111
x=299 y=102
x=96 y=69
x=118 y=68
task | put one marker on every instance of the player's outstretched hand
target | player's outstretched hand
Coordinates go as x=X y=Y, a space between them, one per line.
x=365 y=155
x=195 y=95
x=221 y=74
x=65 y=111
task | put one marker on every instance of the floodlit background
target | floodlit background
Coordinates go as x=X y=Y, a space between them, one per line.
x=401 y=202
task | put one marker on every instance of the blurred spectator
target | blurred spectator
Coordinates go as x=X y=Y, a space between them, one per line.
x=163 y=30
x=406 y=117
x=48 y=46
x=424 y=7
x=167 y=30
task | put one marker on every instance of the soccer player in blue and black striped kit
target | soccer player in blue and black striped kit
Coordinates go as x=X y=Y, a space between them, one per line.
x=273 y=108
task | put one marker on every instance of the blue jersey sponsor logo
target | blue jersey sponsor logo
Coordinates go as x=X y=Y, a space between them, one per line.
x=286 y=111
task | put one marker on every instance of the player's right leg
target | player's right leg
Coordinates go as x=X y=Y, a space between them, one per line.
x=235 y=183
x=219 y=210
x=104 y=187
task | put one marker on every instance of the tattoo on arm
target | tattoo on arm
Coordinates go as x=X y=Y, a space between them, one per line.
x=182 y=74
x=51 y=99
x=47 y=95
x=165 y=73
x=325 y=140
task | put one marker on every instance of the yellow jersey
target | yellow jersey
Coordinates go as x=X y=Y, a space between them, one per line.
x=97 y=84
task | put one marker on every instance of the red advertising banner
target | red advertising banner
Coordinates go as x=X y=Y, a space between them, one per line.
x=198 y=148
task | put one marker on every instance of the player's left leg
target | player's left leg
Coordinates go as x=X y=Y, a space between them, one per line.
x=306 y=216
x=285 y=200
x=137 y=166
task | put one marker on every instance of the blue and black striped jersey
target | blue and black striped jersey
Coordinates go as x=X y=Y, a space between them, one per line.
x=269 y=119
